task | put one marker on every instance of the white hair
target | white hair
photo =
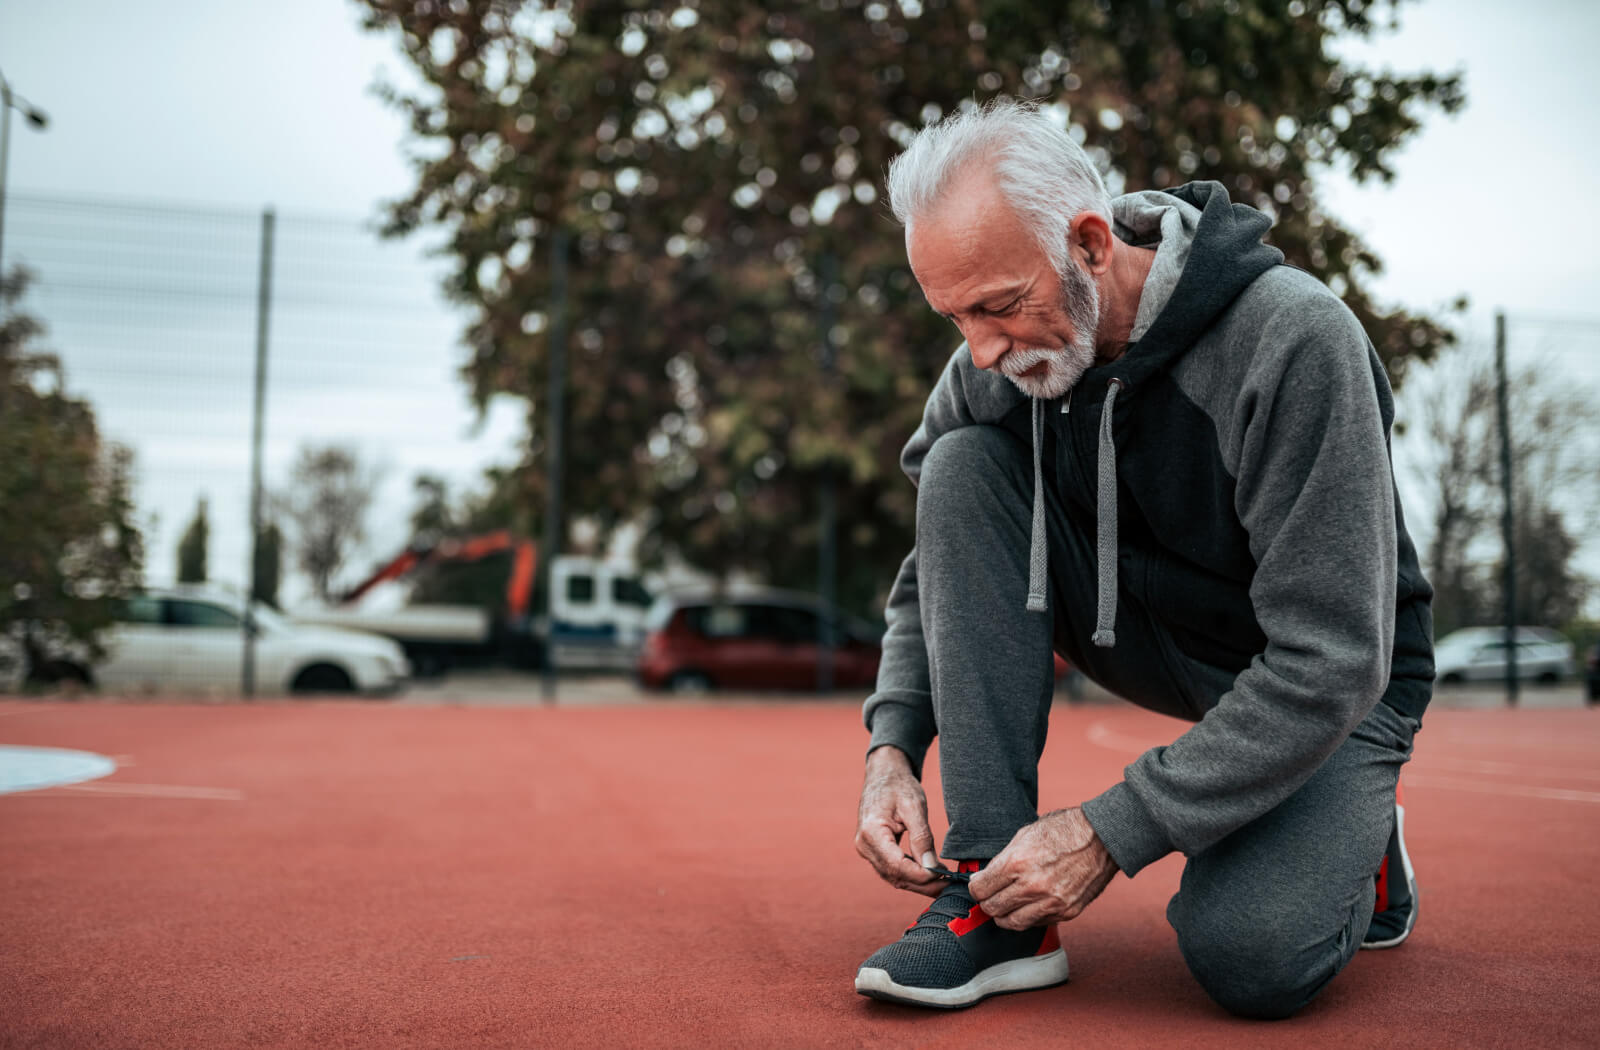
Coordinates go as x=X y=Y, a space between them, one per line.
x=1041 y=172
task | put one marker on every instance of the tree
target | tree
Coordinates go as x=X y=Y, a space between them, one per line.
x=70 y=550
x=267 y=566
x=330 y=491
x=1456 y=455
x=742 y=318
x=192 y=547
x=432 y=516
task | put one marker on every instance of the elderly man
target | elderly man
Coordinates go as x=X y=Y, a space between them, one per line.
x=1163 y=453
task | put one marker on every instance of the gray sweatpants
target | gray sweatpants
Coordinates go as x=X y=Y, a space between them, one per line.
x=1265 y=917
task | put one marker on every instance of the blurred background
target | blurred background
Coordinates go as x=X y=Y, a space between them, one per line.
x=576 y=338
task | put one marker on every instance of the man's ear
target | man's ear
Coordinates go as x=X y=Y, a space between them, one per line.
x=1090 y=238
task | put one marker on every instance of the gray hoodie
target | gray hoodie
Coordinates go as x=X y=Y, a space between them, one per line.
x=1234 y=464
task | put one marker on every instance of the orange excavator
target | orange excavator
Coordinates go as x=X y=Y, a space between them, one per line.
x=519 y=586
x=438 y=637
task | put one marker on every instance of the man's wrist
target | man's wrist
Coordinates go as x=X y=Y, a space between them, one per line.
x=888 y=757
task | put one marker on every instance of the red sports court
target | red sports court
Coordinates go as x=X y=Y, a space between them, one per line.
x=681 y=874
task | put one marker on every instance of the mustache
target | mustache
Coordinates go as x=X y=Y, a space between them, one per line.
x=1017 y=361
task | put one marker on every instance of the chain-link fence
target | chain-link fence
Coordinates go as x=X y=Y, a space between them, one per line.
x=153 y=311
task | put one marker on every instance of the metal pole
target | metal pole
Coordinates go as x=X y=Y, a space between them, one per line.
x=1508 y=519
x=36 y=117
x=5 y=154
x=554 y=450
x=263 y=313
x=827 y=551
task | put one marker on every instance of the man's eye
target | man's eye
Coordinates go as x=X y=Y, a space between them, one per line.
x=1009 y=308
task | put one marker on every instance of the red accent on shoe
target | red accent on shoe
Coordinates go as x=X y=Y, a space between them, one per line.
x=1052 y=941
x=969 y=866
x=1382 y=903
x=975 y=918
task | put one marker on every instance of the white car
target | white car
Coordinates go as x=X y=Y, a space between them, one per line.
x=192 y=640
x=1478 y=654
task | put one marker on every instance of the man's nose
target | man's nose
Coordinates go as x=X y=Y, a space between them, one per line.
x=987 y=343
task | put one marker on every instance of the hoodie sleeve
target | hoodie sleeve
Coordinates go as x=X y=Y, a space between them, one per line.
x=900 y=711
x=1309 y=437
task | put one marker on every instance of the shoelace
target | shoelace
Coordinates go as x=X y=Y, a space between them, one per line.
x=954 y=903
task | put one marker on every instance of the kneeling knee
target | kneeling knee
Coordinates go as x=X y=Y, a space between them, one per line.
x=967 y=455
x=1250 y=977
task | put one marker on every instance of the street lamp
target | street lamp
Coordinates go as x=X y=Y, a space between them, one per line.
x=37 y=118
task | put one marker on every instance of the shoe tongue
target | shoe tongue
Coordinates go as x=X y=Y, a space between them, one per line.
x=954 y=903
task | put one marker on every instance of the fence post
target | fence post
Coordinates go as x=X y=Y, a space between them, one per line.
x=827 y=496
x=555 y=450
x=1508 y=493
x=263 y=312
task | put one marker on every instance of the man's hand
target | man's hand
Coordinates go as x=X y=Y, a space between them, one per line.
x=1049 y=872
x=893 y=804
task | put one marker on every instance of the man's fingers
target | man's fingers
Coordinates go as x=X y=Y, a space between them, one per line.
x=919 y=839
x=1004 y=902
x=1024 y=918
x=879 y=844
x=992 y=879
x=881 y=847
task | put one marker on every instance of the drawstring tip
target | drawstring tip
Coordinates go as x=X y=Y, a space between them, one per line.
x=1036 y=603
x=1105 y=639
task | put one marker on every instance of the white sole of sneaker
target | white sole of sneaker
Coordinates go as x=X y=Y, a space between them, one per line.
x=1016 y=975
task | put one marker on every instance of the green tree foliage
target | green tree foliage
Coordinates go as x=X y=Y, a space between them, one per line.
x=718 y=167
x=329 y=493
x=69 y=547
x=267 y=565
x=432 y=516
x=192 y=547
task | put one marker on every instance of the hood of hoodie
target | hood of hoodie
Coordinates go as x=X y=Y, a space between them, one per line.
x=1208 y=251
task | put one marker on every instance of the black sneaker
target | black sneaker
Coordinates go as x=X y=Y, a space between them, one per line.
x=955 y=955
x=1395 y=912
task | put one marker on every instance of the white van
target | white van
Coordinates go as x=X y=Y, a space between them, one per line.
x=598 y=613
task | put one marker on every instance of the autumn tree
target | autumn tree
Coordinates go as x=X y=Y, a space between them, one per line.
x=325 y=503
x=1455 y=455
x=70 y=550
x=741 y=318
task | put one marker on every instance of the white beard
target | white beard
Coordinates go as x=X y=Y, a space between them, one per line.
x=1063 y=366
x=1063 y=369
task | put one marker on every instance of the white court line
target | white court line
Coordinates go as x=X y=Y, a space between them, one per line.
x=1485 y=788
x=1469 y=765
x=158 y=791
x=1103 y=735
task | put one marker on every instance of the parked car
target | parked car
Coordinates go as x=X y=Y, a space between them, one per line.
x=1592 y=672
x=189 y=639
x=750 y=639
x=1478 y=654
x=754 y=639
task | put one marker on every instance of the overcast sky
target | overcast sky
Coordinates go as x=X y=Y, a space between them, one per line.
x=236 y=106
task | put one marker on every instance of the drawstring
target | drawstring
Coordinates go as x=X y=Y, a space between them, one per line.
x=1038 y=553
x=1105 y=634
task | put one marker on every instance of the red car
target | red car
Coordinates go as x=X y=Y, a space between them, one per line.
x=754 y=639
x=751 y=639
